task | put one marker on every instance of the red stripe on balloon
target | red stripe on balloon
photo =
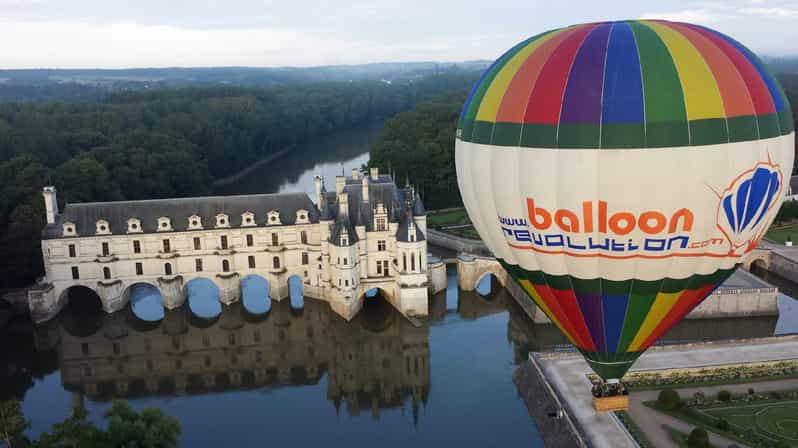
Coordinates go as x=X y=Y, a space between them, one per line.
x=553 y=302
x=757 y=89
x=686 y=302
x=546 y=100
x=567 y=300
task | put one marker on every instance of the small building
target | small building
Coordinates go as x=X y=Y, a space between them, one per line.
x=366 y=234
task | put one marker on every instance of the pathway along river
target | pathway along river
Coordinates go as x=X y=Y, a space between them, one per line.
x=296 y=372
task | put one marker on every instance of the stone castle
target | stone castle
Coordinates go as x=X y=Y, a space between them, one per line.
x=366 y=234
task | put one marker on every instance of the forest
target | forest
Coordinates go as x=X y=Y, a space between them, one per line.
x=167 y=143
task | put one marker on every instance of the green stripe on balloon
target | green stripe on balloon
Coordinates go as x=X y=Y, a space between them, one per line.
x=742 y=129
x=610 y=364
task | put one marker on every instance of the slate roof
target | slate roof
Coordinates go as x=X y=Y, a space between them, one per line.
x=85 y=215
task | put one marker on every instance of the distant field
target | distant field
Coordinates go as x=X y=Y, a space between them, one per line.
x=438 y=220
x=771 y=420
x=779 y=235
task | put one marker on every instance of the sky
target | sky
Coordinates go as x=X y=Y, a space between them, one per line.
x=269 y=33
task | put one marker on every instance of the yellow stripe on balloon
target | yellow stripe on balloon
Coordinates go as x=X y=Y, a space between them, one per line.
x=530 y=289
x=662 y=305
x=493 y=97
x=701 y=95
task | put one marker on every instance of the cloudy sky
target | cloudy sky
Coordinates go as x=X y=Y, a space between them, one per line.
x=158 y=33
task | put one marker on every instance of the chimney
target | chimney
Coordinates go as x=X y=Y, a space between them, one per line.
x=317 y=184
x=50 y=204
x=343 y=204
x=340 y=182
x=355 y=173
x=374 y=173
x=364 y=194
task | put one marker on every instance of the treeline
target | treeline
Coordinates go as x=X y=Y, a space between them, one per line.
x=419 y=145
x=166 y=143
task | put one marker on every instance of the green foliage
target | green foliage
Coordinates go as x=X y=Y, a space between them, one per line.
x=149 y=428
x=170 y=143
x=698 y=438
x=724 y=395
x=782 y=444
x=722 y=424
x=419 y=145
x=669 y=399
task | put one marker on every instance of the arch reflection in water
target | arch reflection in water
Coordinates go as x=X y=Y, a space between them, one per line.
x=296 y=292
x=378 y=360
x=84 y=313
x=255 y=295
x=146 y=302
x=203 y=298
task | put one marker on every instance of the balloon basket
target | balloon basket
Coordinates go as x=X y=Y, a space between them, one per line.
x=609 y=404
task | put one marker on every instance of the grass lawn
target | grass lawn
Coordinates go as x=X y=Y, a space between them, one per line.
x=778 y=419
x=437 y=220
x=779 y=235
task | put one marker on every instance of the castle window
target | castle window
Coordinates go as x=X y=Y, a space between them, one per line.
x=276 y=262
x=198 y=264
x=106 y=273
x=231 y=339
x=301 y=216
x=167 y=268
x=167 y=246
x=379 y=267
x=275 y=239
x=345 y=263
x=225 y=266
x=72 y=251
x=194 y=222
x=84 y=348
x=381 y=224
x=385 y=268
x=344 y=240
x=75 y=273
x=117 y=348
x=222 y=220
x=197 y=245
x=303 y=237
x=139 y=269
x=412 y=237
x=381 y=245
x=136 y=246
x=346 y=282
x=164 y=224
x=248 y=219
x=133 y=225
x=412 y=263
x=251 y=260
x=304 y=258
x=273 y=217
x=223 y=241
x=404 y=262
x=68 y=229
x=105 y=249
x=250 y=240
x=102 y=227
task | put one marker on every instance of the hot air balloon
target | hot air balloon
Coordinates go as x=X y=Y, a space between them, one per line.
x=620 y=171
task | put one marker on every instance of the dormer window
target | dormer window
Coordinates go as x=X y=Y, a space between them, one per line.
x=301 y=216
x=194 y=222
x=222 y=220
x=102 y=227
x=247 y=219
x=344 y=239
x=133 y=226
x=272 y=218
x=69 y=229
x=164 y=224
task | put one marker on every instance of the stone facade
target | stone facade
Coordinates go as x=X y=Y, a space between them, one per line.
x=366 y=234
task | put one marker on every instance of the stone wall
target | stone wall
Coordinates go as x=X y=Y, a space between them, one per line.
x=782 y=265
x=456 y=243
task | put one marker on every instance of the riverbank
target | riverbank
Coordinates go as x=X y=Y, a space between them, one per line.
x=250 y=169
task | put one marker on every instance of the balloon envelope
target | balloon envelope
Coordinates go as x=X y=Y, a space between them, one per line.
x=620 y=171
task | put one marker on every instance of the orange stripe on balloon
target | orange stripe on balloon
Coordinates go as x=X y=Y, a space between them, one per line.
x=514 y=102
x=622 y=257
x=567 y=299
x=686 y=302
x=556 y=307
x=736 y=99
x=529 y=287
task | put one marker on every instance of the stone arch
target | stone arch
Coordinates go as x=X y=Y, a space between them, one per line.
x=84 y=315
x=378 y=314
x=759 y=258
x=79 y=292
x=146 y=301
x=255 y=294
x=494 y=269
x=203 y=297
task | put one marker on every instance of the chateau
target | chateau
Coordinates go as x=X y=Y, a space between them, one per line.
x=367 y=233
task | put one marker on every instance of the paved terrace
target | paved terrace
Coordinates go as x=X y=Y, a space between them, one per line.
x=568 y=374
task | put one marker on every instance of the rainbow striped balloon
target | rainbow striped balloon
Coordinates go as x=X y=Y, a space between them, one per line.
x=630 y=84
x=620 y=171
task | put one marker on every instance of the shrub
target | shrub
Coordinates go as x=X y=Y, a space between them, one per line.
x=722 y=424
x=724 y=395
x=698 y=438
x=782 y=444
x=775 y=395
x=750 y=391
x=669 y=399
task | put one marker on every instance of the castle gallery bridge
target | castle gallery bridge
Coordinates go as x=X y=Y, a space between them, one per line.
x=366 y=234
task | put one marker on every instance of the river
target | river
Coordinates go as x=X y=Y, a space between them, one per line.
x=296 y=372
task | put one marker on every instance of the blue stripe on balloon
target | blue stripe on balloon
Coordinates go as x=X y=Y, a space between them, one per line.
x=614 y=308
x=727 y=208
x=774 y=186
x=739 y=202
x=623 y=86
x=760 y=183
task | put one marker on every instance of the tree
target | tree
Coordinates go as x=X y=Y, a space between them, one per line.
x=698 y=438
x=12 y=423
x=724 y=395
x=150 y=428
x=669 y=399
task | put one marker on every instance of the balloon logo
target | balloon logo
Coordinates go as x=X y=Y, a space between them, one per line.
x=620 y=171
x=745 y=203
